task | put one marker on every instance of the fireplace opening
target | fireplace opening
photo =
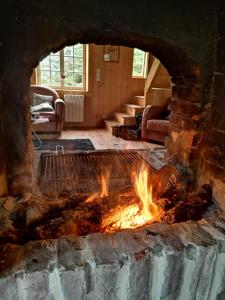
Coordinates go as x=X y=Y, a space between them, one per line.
x=83 y=192
x=107 y=191
x=110 y=191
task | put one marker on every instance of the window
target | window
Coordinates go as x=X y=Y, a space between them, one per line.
x=64 y=69
x=139 y=63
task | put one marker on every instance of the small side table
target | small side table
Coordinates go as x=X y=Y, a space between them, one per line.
x=39 y=120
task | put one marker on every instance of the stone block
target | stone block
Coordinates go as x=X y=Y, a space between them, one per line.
x=218 y=119
x=73 y=284
x=72 y=252
x=219 y=276
x=186 y=80
x=191 y=94
x=40 y=255
x=178 y=146
x=217 y=138
x=33 y=285
x=8 y=288
x=185 y=108
x=184 y=123
x=54 y=283
x=215 y=156
x=199 y=260
x=215 y=170
x=140 y=268
x=219 y=80
x=12 y=259
x=111 y=282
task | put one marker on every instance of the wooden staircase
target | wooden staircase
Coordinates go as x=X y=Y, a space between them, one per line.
x=127 y=114
x=152 y=96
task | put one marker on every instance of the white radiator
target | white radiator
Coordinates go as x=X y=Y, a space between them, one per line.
x=74 y=108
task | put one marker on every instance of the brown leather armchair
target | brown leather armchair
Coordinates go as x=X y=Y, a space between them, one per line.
x=56 y=117
x=154 y=125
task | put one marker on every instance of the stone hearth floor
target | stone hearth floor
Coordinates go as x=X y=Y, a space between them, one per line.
x=161 y=261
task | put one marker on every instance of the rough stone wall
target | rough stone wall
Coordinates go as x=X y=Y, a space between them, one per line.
x=183 y=261
x=30 y=30
x=213 y=169
x=186 y=128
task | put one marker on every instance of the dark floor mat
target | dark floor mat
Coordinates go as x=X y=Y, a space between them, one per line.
x=68 y=145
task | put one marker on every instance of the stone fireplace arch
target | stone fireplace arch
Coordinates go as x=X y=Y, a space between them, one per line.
x=42 y=28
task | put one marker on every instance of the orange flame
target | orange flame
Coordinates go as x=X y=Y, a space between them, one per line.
x=104 y=181
x=137 y=215
x=144 y=191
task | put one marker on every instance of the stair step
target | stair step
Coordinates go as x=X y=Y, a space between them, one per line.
x=133 y=110
x=111 y=125
x=125 y=119
x=139 y=100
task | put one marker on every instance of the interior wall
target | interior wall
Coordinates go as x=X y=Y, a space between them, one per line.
x=115 y=87
x=162 y=78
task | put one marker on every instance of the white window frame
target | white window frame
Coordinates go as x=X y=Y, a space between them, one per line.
x=85 y=72
x=144 y=68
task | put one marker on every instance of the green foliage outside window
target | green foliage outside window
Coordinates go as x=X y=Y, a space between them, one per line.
x=138 y=63
x=64 y=68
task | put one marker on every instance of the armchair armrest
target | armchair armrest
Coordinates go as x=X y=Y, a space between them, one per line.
x=150 y=112
x=59 y=106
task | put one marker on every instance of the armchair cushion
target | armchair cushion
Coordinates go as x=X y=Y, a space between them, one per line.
x=45 y=106
x=39 y=99
x=51 y=115
x=158 y=125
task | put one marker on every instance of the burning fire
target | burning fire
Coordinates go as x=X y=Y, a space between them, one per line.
x=139 y=214
x=134 y=215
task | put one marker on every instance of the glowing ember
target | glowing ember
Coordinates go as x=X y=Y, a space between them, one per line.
x=139 y=214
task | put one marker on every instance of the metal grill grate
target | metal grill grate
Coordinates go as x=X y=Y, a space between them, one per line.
x=80 y=172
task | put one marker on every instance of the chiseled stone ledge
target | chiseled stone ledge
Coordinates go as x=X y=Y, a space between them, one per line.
x=161 y=261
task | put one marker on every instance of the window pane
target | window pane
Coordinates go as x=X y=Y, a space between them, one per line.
x=55 y=63
x=68 y=64
x=45 y=77
x=55 y=78
x=138 y=63
x=45 y=64
x=78 y=65
x=68 y=51
x=78 y=79
x=68 y=81
x=78 y=50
